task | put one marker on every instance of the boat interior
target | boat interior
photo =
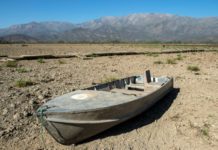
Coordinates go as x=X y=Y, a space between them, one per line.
x=131 y=85
x=108 y=94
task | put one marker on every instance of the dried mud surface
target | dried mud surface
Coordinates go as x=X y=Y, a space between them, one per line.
x=187 y=118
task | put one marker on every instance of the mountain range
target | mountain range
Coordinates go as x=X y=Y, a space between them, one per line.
x=131 y=28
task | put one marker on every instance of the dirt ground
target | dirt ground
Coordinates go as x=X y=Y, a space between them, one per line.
x=187 y=118
x=55 y=49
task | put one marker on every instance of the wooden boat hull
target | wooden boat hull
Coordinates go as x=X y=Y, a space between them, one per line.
x=73 y=127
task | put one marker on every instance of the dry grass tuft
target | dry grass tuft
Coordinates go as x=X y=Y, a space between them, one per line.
x=109 y=79
x=11 y=64
x=158 y=62
x=40 y=60
x=23 y=83
x=22 y=70
x=61 y=62
x=193 y=68
x=205 y=129
x=171 y=61
x=179 y=57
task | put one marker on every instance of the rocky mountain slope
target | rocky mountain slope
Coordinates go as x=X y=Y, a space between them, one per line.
x=135 y=27
x=18 y=38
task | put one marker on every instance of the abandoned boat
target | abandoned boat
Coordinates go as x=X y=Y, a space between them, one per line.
x=76 y=116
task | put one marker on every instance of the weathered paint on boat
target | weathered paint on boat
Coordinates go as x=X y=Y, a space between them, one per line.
x=76 y=116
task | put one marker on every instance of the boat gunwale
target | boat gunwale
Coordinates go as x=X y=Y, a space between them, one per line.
x=83 y=121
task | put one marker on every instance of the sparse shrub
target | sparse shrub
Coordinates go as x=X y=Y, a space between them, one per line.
x=40 y=60
x=179 y=57
x=22 y=70
x=12 y=64
x=193 y=68
x=205 y=130
x=24 y=83
x=158 y=62
x=61 y=62
x=109 y=79
x=171 y=61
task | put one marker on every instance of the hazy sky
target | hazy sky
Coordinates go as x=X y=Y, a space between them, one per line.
x=76 y=11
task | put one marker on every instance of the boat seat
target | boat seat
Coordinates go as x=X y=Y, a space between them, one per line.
x=137 y=87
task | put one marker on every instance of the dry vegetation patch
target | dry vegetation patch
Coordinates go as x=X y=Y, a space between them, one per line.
x=22 y=70
x=171 y=61
x=41 y=61
x=11 y=64
x=158 y=62
x=193 y=68
x=61 y=61
x=109 y=79
x=24 y=83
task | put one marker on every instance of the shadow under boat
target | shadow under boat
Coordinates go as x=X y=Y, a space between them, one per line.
x=145 y=118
